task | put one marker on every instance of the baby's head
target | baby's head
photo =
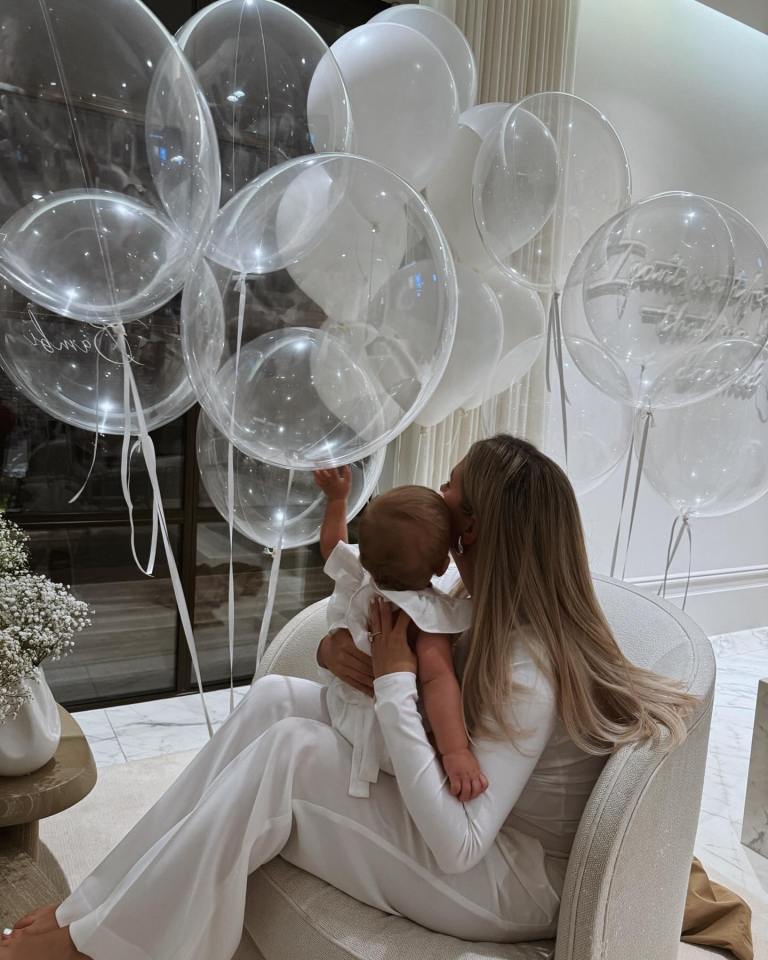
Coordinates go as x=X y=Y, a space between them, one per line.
x=404 y=536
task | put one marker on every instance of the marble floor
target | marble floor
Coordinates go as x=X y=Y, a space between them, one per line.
x=135 y=731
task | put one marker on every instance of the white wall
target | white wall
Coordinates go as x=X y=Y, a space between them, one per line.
x=687 y=89
x=752 y=12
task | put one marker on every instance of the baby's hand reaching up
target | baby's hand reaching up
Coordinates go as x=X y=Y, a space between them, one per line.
x=465 y=777
x=334 y=483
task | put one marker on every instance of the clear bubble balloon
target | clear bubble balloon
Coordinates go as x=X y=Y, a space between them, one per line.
x=310 y=388
x=741 y=329
x=448 y=39
x=662 y=293
x=594 y=185
x=74 y=370
x=599 y=428
x=255 y=61
x=260 y=492
x=523 y=321
x=110 y=176
x=360 y=247
x=710 y=458
x=402 y=96
x=449 y=191
x=516 y=179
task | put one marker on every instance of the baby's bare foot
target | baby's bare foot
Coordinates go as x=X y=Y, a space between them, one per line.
x=38 y=921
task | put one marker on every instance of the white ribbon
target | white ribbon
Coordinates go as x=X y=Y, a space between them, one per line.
x=148 y=450
x=273 y=576
x=555 y=345
x=648 y=422
x=231 y=498
x=685 y=527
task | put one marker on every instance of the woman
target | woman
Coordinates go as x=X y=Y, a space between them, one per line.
x=547 y=696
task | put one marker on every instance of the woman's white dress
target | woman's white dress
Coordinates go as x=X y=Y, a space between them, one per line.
x=273 y=780
x=352 y=713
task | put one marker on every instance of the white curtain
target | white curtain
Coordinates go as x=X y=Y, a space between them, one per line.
x=521 y=47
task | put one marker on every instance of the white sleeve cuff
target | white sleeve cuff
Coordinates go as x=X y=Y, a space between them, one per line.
x=394 y=687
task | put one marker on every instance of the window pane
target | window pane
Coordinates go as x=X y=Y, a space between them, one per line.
x=131 y=645
x=301 y=583
x=43 y=463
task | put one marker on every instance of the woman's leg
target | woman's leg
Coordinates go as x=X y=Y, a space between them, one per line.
x=269 y=699
x=184 y=899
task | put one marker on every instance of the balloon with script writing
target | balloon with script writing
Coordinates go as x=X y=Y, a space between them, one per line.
x=306 y=388
x=649 y=292
x=260 y=509
x=255 y=61
x=110 y=164
x=74 y=370
x=710 y=458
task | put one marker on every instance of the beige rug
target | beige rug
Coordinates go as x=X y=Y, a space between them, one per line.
x=80 y=838
x=83 y=835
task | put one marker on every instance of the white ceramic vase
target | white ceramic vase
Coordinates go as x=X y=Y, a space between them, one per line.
x=30 y=740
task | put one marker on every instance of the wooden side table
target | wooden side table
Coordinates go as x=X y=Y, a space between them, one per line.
x=67 y=777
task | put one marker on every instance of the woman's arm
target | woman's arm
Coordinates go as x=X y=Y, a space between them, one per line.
x=338 y=654
x=458 y=834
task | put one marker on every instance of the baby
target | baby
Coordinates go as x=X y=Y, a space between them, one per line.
x=404 y=535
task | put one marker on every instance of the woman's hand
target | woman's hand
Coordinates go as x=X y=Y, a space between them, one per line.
x=337 y=652
x=389 y=641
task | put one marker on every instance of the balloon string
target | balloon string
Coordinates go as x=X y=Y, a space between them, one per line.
x=648 y=416
x=558 y=349
x=148 y=449
x=419 y=445
x=268 y=97
x=484 y=422
x=462 y=415
x=550 y=334
x=90 y=469
x=273 y=576
x=231 y=500
x=621 y=510
x=685 y=527
x=95 y=436
x=125 y=480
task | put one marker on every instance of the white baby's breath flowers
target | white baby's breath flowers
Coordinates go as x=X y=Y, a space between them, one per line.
x=38 y=619
x=13 y=548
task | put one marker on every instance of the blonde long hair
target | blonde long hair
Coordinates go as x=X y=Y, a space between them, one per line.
x=532 y=569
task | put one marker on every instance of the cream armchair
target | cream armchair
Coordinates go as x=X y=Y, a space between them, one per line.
x=627 y=877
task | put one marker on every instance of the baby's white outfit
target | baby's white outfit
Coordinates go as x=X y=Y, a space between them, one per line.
x=352 y=712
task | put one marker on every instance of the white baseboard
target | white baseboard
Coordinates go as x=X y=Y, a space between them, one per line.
x=720 y=601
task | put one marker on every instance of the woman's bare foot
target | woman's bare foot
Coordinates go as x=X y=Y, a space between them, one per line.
x=38 y=921
x=52 y=945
